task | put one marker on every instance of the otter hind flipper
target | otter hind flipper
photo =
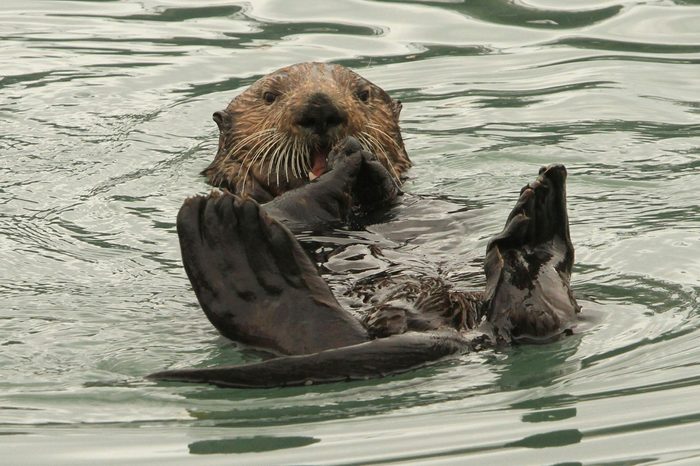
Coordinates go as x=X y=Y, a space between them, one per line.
x=254 y=281
x=528 y=265
x=373 y=359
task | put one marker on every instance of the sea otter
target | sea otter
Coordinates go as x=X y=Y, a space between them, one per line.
x=306 y=148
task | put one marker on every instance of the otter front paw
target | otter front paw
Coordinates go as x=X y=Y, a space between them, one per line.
x=354 y=182
x=374 y=187
x=324 y=202
x=327 y=200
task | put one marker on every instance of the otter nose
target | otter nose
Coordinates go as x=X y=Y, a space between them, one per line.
x=320 y=114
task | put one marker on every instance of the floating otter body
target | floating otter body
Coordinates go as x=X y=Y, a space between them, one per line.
x=333 y=149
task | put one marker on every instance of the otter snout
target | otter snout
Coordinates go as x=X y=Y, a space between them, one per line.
x=321 y=115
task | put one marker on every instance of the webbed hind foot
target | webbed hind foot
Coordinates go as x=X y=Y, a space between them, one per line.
x=254 y=281
x=528 y=265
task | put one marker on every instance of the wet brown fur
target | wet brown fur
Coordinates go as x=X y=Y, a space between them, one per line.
x=264 y=152
x=402 y=304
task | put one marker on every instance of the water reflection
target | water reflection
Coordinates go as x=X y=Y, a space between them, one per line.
x=106 y=116
x=520 y=14
x=259 y=443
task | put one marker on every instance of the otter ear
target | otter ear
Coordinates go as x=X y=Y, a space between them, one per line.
x=396 y=107
x=223 y=120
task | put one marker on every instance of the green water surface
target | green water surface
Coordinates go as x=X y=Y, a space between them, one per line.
x=105 y=123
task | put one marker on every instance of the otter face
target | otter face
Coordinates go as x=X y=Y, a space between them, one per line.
x=277 y=134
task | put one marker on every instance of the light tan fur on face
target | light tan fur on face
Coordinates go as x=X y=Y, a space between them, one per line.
x=262 y=146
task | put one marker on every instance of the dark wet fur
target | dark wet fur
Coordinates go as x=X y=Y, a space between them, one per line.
x=528 y=265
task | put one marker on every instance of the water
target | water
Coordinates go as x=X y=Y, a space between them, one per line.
x=105 y=110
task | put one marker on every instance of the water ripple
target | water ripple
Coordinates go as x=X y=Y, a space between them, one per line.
x=106 y=116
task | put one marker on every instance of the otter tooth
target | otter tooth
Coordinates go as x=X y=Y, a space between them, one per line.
x=312 y=176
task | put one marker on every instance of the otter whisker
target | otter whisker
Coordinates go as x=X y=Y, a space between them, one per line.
x=377 y=150
x=295 y=158
x=286 y=161
x=278 y=157
x=305 y=157
x=254 y=153
x=260 y=153
x=302 y=155
x=261 y=150
x=254 y=150
x=288 y=157
x=241 y=143
x=248 y=160
x=293 y=152
x=273 y=155
x=273 y=152
x=386 y=137
x=290 y=162
x=284 y=170
x=366 y=144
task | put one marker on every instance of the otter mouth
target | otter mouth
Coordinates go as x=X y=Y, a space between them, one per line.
x=319 y=161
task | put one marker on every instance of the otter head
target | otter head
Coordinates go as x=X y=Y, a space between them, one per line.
x=277 y=134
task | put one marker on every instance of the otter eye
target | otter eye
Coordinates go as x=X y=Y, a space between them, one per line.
x=363 y=95
x=269 y=97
